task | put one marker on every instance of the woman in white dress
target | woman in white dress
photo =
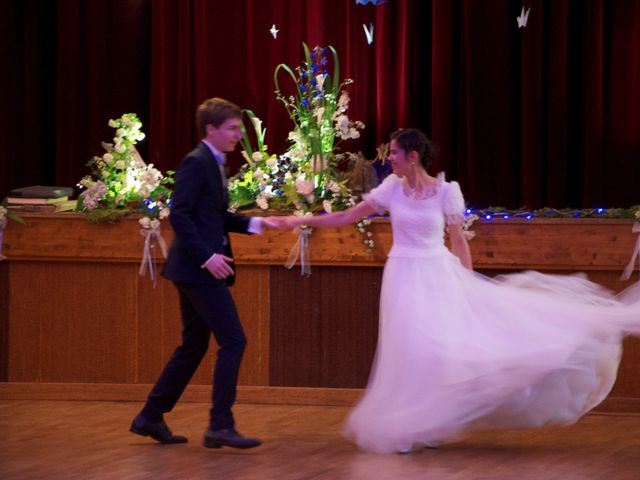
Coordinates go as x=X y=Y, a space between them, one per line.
x=458 y=350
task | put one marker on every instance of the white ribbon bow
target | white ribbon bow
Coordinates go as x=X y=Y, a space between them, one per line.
x=301 y=248
x=152 y=236
x=629 y=268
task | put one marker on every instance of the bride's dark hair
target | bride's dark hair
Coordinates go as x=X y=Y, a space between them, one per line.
x=413 y=139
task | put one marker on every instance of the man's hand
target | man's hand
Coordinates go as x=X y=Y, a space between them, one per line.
x=219 y=267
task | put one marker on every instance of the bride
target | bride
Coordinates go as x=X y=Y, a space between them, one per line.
x=457 y=350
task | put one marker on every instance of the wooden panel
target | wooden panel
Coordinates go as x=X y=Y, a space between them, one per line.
x=70 y=322
x=328 y=246
x=70 y=236
x=77 y=311
x=557 y=244
x=323 y=328
x=4 y=320
x=251 y=294
x=159 y=328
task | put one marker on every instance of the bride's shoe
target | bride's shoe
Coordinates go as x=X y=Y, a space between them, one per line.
x=405 y=450
x=431 y=445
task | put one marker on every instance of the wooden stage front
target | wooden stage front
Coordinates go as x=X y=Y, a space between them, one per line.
x=78 y=322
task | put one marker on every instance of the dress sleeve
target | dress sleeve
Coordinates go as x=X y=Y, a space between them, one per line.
x=380 y=197
x=453 y=204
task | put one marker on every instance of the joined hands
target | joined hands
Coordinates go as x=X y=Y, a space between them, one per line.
x=282 y=223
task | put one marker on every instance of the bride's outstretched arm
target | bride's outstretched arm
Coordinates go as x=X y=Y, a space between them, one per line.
x=335 y=219
x=459 y=245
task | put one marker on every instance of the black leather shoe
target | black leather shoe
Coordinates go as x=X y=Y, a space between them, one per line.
x=156 y=430
x=228 y=438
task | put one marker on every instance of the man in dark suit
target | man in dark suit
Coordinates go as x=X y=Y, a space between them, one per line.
x=201 y=266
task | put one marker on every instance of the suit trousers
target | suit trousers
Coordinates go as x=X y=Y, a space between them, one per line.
x=206 y=308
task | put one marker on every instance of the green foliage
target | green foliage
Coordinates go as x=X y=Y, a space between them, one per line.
x=107 y=215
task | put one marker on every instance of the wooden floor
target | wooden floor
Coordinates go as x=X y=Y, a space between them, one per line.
x=90 y=440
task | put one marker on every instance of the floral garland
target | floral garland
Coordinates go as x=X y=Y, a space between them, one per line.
x=492 y=213
x=121 y=182
x=498 y=212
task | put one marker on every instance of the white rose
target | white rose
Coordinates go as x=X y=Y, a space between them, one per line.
x=258 y=173
x=164 y=213
x=145 y=222
x=257 y=156
x=304 y=187
x=120 y=148
x=112 y=123
x=86 y=181
x=120 y=165
x=342 y=123
x=272 y=162
x=262 y=202
x=333 y=186
x=108 y=158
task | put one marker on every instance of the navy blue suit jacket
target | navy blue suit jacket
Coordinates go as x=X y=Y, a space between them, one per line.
x=200 y=219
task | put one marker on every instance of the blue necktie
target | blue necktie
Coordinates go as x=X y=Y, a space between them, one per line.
x=221 y=160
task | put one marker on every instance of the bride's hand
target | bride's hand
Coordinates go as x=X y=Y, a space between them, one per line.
x=292 y=222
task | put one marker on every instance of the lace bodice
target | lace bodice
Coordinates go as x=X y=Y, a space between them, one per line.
x=418 y=223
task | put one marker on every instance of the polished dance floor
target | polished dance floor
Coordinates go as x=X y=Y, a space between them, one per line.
x=90 y=440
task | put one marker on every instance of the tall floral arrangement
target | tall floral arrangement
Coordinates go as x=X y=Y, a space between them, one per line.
x=305 y=177
x=120 y=180
x=318 y=109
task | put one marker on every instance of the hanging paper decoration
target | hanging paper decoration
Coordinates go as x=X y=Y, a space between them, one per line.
x=368 y=32
x=523 y=18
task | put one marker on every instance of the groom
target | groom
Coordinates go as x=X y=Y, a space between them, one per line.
x=201 y=266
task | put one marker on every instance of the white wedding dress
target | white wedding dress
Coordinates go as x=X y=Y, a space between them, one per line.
x=460 y=351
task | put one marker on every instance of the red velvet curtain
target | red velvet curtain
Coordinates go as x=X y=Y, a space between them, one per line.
x=225 y=49
x=546 y=115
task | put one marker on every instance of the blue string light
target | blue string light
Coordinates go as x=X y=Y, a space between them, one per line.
x=492 y=213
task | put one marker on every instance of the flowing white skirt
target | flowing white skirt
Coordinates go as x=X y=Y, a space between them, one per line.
x=460 y=351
